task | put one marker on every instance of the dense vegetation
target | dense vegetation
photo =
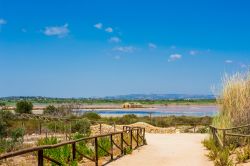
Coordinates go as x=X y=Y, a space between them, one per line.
x=50 y=101
x=234 y=101
x=234 y=111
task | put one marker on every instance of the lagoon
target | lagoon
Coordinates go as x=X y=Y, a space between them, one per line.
x=189 y=110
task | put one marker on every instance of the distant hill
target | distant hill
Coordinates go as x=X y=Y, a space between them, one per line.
x=159 y=97
x=119 y=97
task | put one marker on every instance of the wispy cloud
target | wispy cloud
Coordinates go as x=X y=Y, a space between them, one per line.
x=109 y=30
x=193 y=52
x=125 y=49
x=98 y=25
x=152 y=45
x=60 y=31
x=174 y=57
x=242 y=65
x=114 y=40
x=2 y=21
x=228 y=61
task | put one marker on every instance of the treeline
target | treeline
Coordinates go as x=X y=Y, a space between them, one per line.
x=44 y=100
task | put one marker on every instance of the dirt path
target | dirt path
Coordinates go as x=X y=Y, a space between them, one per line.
x=168 y=149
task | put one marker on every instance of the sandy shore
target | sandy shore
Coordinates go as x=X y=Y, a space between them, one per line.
x=168 y=149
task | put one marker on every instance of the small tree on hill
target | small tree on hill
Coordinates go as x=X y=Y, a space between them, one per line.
x=24 y=107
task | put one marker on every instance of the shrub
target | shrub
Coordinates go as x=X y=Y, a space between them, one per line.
x=91 y=115
x=128 y=119
x=50 y=110
x=243 y=154
x=223 y=158
x=24 y=107
x=105 y=144
x=17 y=135
x=5 y=116
x=214 y=149
x=81 y=126
x=2 y=104
x=3 y=129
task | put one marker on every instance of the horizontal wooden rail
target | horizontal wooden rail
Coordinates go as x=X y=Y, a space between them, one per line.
x=139 y=131
x=222 y=142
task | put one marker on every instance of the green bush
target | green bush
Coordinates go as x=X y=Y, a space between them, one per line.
x=5 y=117
x=212 y=147
x=50 y=110
x=223 y=158
x=3 y=129
x=104 y=142
x=128 y=119
x=17 y=135
x=24 y=107
x=81 y=126
x=2 y=104
x=91 y=116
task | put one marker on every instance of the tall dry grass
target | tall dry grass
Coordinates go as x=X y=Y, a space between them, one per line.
x=234 y=101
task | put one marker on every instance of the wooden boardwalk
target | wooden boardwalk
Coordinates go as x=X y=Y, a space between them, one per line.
x=168 y=149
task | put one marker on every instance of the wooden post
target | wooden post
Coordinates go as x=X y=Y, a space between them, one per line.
x=96 y=151
x=74 y=151
x=144 y=142
x=131 y=138
x=224 y=138
x=114 y=127
x=100 y=128
x=137 y=137
x=40 y=157
x=121 y=143
x=194 y=128
x=111 y=146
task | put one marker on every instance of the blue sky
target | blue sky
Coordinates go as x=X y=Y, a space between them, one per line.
x=100 y=48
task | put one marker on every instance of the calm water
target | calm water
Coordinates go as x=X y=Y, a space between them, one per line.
x=160 y=111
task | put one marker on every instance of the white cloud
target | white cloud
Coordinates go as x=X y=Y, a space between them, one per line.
x=174 y=57
x=114 y=40
x=98 y=25
x=152 y=45
x=109 y=29
x=2 y=21
x=243 y=65
x=126 y=49
x=228 y=61
x=193 y=52
x=60 y=31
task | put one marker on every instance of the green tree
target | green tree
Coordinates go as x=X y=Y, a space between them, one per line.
x=24 y=107
x=50 y=110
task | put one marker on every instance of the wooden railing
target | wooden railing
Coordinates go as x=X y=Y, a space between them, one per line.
x=221 y=138
x=136 y=134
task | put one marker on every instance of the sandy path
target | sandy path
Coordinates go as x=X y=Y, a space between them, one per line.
x=168 y=149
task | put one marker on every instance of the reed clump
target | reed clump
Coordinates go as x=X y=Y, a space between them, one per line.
x=234 y=101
